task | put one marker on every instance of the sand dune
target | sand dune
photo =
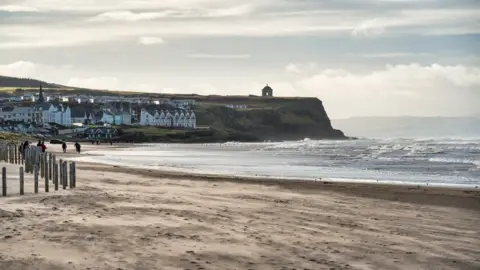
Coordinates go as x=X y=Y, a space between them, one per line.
x=121 y=218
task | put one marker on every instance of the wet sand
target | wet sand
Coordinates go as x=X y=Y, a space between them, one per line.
x=121 y=218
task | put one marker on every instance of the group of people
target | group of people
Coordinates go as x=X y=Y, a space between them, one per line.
x=22 y=147
x=77 y=147
x=41 y=143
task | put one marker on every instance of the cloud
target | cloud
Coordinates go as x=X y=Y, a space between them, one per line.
x=302 y=68
x=292 y=68
x=397 y=90
x=392 y=55
x=14 y=8
x=219 y=56
x=126 y=16
x=370 y=28
x=18 y=69
x=130 y=16
x=110 y=83
x=150 y=40
x=84 y=22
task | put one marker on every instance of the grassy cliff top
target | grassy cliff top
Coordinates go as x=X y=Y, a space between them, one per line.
x=10 y=84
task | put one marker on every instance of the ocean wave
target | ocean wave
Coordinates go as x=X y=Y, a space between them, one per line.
x=455 y=160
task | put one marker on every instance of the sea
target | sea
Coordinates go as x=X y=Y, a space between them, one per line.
x=425 y=161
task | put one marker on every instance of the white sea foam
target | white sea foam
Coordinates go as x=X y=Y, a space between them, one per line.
x=405 y=160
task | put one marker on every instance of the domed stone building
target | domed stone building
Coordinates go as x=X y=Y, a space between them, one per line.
x=267 y=91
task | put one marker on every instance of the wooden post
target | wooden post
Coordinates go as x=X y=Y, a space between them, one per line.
x=35 y=177
x=60 y=172
x=42 y=165
x=4 y=182
x=16 y=153
x=70 y=171
x=30 y=160
x=9 y=153
x=55 y=175
x=25 y=159
x=54 y=161
x=74 y=168
x=46 y=184
x=64 y=175
x=50 y=167
x=31 y=154
x=12 y=153
x=47 y=176
x=21 y=181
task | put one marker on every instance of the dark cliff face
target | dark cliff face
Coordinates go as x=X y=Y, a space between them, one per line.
x=283 y=120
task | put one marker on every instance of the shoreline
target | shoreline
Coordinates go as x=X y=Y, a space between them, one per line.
x=179 y=221
x=172 y=172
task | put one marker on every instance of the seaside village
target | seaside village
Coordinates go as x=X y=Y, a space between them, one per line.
x=53 y=114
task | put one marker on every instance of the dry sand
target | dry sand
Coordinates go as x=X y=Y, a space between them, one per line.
x=122 y=218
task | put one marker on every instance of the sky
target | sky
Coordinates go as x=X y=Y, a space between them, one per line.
x=360 y=57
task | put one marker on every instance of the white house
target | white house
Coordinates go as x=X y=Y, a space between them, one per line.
x=18 y=114
x=168 y=119
x=116 y=118
x=58 y=114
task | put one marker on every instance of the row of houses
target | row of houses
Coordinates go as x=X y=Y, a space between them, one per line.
x=85 y=99
x=185 y=119
x=66 y=116
x=41 y=113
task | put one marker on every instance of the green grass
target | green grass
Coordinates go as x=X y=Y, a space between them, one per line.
x=152 y=131
x=12 y=137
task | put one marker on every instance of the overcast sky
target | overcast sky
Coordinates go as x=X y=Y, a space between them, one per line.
x=361 y=57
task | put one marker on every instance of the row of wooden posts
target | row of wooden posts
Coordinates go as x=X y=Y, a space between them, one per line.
x=40 y=164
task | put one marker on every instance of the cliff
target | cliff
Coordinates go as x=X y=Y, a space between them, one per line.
x=277 y=119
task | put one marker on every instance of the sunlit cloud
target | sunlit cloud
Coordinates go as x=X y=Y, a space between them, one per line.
x=218 y=56
x=150 y=40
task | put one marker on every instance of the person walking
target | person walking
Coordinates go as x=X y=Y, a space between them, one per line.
x=44 y=147
x=64 y=147
x=77 y=147
x=25 y=146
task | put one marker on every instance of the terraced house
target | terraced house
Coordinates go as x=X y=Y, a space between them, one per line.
x=58 y=114
x=18 y=114
x=179 y=119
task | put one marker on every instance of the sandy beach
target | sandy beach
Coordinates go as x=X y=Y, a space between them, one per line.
x=121 y=218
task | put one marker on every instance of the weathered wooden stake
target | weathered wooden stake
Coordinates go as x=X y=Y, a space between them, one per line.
x=74 y=168
x=54 y=161
x=35 y=177
x=46 y=169
x=65 y=175
x=55 y=175
x=46 y=183
x=4 y=182
x=42 y=165
x=50 y=167
x=16 y=153
x=70 y=171
x=21 y=181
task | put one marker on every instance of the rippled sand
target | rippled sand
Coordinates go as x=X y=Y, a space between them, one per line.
x=122 y=218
